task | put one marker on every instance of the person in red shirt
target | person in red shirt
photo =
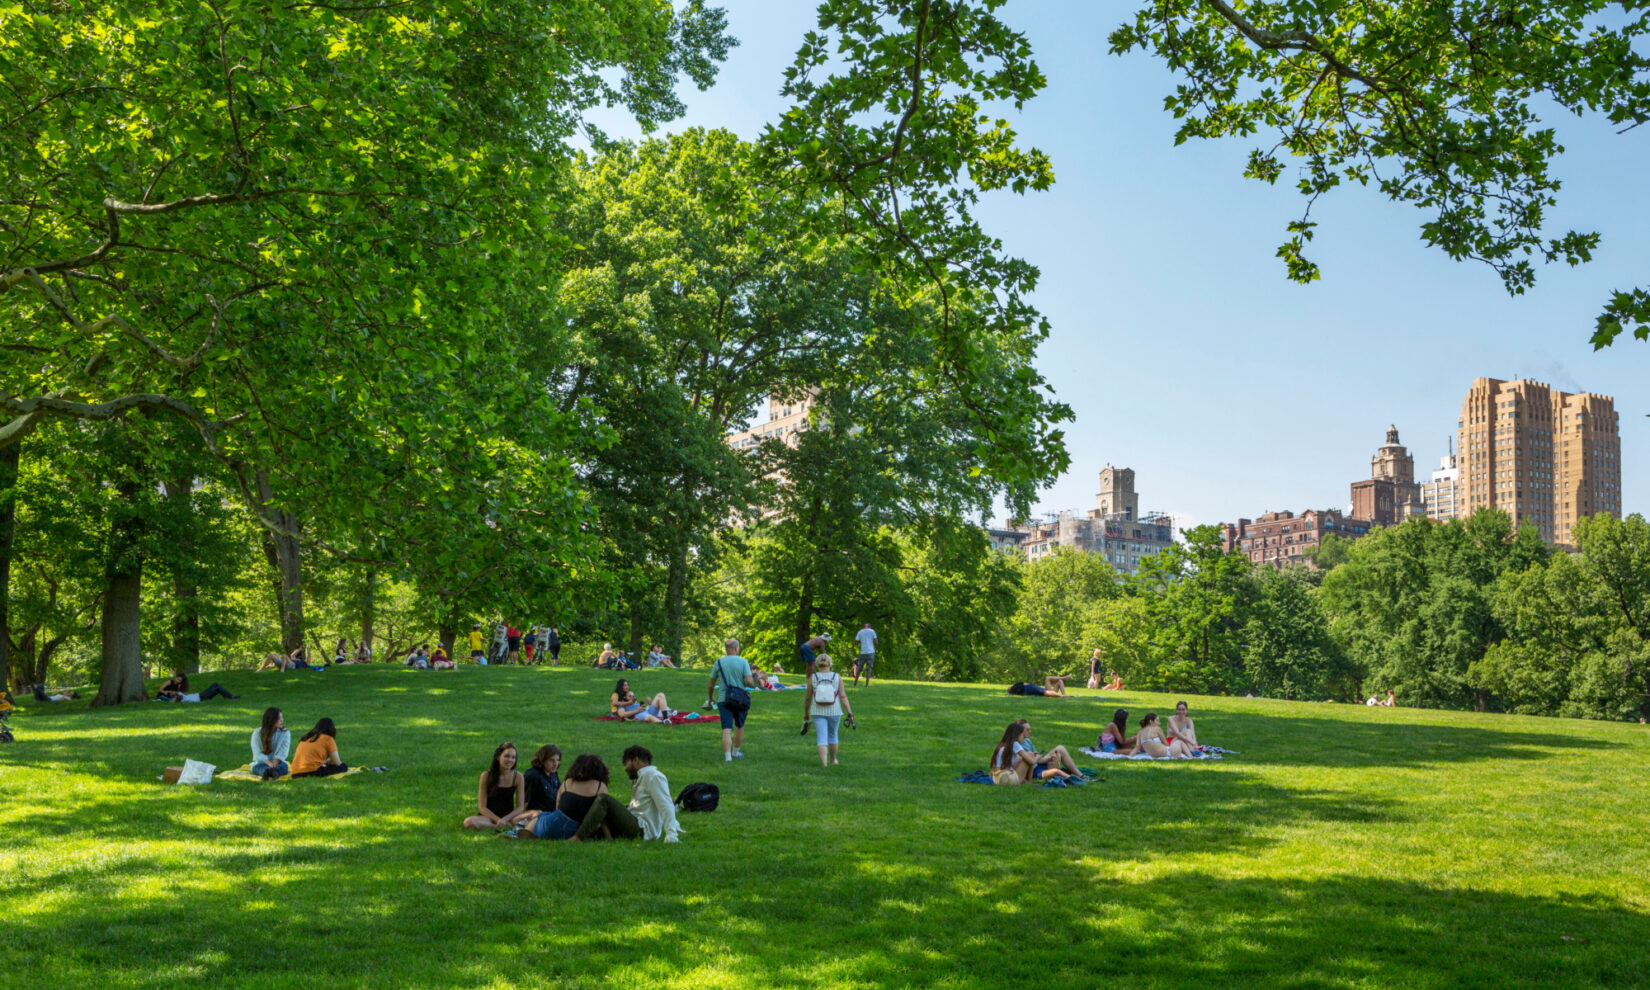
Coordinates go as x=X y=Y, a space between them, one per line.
x=513 y=638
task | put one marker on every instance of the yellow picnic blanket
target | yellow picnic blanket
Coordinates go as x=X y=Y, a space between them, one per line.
x=244 y=772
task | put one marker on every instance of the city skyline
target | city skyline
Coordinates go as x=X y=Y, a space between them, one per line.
x=1175 y=337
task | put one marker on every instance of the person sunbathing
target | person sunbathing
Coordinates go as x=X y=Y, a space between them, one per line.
x=1033 y=765
x=622 y=702
x=61 y=694
x=1180 y=725
x=1053 y=687
x=1154 y=744
x=293 y=661
x=177 y=689
x=1115 y=683
x=1115 y=738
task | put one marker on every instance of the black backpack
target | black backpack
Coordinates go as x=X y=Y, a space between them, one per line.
x=698 y=797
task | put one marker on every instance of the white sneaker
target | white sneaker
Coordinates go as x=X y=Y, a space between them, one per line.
x=738 y=754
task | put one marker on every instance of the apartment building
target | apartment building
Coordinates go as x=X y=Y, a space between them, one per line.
x=1545 y=457
x=1439 y=497
x=1390 y=494
x=1279 y=538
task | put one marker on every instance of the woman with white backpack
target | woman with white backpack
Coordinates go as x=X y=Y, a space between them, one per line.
x=827 y=703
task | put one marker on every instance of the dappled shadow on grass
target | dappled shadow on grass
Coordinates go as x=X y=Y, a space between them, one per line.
x=822 y=916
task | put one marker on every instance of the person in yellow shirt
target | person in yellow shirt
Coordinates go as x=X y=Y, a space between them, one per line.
x=476 y=653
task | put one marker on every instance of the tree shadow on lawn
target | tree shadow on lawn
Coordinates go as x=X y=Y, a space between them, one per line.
x=817 y=916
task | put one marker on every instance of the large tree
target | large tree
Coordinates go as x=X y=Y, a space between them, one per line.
x=296 y=229
x=1436 y=104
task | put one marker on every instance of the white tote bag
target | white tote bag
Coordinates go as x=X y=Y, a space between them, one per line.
x=196 y=773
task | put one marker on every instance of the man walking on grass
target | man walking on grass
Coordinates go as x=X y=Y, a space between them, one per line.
x=867 y=639
x=731 y=669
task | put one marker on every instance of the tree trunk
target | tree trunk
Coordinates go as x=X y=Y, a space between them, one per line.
x=10 y=456
x=368 y=608
x=805 y=607
x=122 y=678
x=676 y=595
x=635 y=644
x=186 y=622
x=446 y=632
x=283 y=553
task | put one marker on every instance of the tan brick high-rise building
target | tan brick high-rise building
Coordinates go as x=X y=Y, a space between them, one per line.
x=1543 y=456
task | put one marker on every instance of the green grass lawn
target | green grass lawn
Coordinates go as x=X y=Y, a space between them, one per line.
x=1346 y=846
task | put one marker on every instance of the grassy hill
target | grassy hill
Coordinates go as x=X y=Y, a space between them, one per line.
x=1345 y=847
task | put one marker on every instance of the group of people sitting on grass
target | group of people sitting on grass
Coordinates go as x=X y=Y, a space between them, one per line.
x=612 y=659
x=539 y=804
x=317 y=754
x=1179 y=741
x=421 y=657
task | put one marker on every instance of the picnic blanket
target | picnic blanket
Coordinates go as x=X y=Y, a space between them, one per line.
x=1205 y=753
x=982 y=777
x=244 y=772
x=680 y=718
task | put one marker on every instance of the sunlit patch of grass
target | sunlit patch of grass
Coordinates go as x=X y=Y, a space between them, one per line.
x=1345 y=847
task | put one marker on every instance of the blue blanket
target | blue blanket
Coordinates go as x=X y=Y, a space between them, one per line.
x=982 y=777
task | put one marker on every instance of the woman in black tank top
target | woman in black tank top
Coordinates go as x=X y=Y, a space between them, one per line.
x=499 y=800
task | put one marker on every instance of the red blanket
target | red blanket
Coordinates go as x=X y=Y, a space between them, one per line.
x=680 y=718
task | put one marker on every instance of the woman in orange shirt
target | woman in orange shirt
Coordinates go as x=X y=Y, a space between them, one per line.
x=317 y=752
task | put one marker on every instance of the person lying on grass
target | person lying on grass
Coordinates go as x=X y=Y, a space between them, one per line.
x=584 y=808
x=439 y=659
x=1033 y=765
x=501 y=798
x=1115 y=738
x=1053 y=686
x=622 y=702
x=177 y=689
x=1153 y=743
x=293 y=661
x=270 y=742
x=1180 y=725
x=61 y=694
x=1002 y=765
x=317 y=754
x=543 y=779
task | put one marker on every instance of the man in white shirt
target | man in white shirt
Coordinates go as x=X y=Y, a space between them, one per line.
x=650 y=799
x=867 y=640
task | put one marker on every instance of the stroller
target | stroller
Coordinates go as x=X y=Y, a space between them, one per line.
x=6 y=708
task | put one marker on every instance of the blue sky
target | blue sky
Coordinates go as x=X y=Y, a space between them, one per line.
x=1180 y=346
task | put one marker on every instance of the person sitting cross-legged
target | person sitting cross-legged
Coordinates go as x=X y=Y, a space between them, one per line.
x=501 y=792
x=317 y=752
x=270 y=742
